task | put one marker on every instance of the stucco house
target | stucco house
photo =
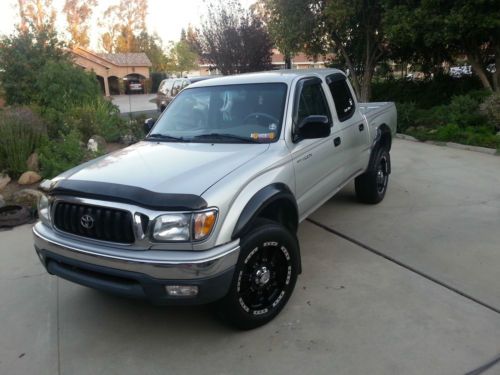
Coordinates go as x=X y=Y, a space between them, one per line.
x=111 y=68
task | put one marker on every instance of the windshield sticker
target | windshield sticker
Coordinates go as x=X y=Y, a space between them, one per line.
x=273 y=126
x=263 y=136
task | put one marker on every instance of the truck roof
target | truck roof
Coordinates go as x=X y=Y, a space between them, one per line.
x=284 y=76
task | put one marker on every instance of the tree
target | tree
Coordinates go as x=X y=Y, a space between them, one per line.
x=183 y=57
x=22 y=57
x=437 y=31
x=351 y=29
x=234 y=40
x=36 y=14
x=78 y=13
x=152 y=46
x=123 y=23
x=287 y=40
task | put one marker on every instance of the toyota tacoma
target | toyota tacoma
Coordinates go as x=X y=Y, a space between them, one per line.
x=206 y=208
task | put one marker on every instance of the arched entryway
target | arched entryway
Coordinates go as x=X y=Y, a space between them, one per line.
x=134 y=84
x=101 y=83
x=114 y=85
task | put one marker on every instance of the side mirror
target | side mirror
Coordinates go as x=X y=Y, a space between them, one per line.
x=148 y=125
x=314 y=126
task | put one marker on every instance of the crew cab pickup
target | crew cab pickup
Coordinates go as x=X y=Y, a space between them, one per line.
x=206 y=207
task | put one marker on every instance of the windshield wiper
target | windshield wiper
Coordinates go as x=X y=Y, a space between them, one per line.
x=159 y=136
x=226 y=136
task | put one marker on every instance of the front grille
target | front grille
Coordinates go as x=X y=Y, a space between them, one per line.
x=102 y=223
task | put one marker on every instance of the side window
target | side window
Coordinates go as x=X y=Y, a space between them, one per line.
x=312 y=101
x=344 y=102
x=185 y=83
x=177 y=87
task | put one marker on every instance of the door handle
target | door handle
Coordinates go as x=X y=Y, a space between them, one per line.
x=337 y=141
x=361 y=127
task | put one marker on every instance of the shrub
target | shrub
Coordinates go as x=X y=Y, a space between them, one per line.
x=99 y=117
x=464 y=111
x=61 y=86
x=425 y=93
x=62 y=154
x=490 y=108
x=21 y=133
x=407 y=113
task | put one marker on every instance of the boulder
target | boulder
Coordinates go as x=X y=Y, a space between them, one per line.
x=33 y=162
x=27 y=197
x=96 y=143
x=128 y=139
x=28 y=178
x=4 y=180
x=2 y=201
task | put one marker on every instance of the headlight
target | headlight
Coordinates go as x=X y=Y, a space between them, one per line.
x=44 y=210
x=184 y=226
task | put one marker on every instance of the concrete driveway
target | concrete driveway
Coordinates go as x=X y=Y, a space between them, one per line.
x=414 y=289
x=135 y=103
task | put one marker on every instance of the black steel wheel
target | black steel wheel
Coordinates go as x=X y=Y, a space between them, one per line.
x=371 y=186
x=264 y=277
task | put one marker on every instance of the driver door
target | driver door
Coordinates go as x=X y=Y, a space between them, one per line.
x=317 y=162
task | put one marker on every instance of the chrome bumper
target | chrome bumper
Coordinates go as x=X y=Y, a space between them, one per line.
x=158 y=264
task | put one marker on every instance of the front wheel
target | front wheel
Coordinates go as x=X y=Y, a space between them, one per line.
x=371 y=186
x=264 y=276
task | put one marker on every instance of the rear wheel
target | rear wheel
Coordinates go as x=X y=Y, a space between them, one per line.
x=371 y=186
x=264 y=277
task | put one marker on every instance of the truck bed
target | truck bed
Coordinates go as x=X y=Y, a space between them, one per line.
x=379 y=112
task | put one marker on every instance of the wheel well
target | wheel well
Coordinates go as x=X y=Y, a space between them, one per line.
x=283 y=212
x=385 y=137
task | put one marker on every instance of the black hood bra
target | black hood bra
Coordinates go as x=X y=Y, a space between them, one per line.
x=128 y=194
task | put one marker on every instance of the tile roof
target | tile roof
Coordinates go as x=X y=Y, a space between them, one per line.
x=126 y=59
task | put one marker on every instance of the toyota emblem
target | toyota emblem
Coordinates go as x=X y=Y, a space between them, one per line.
x=87 y=221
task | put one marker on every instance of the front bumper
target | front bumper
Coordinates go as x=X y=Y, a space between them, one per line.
x=138 y=273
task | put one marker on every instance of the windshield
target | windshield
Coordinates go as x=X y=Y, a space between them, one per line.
x=221 y=114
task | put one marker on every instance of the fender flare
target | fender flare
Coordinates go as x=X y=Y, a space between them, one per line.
x=263 y=199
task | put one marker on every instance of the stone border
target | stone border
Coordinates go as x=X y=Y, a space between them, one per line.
x=484 y=150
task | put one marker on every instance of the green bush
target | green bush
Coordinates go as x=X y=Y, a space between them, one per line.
x=21 y=133
x=490 y=108
x=57 y=156
x=424 y=93
x=464 y=111
x=99 y=117
x=407 y=113
x=61 y=86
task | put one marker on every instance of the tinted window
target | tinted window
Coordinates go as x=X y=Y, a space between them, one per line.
x=344 y=102
x=312 y=102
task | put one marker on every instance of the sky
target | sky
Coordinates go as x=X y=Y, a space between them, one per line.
x=165 y=17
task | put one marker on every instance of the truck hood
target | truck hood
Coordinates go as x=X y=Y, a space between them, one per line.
x=182 y=168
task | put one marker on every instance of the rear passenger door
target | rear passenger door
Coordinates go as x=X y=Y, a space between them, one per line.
x=317 y=162
x=355 y=132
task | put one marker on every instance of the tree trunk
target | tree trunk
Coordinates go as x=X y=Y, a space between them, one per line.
x=480 y=71
x=350 y=65
x=366 y=86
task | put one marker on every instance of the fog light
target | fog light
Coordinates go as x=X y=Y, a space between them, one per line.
x=182 y=290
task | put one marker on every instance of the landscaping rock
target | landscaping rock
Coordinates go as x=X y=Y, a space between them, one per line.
x=96 y=143
x=28 y=178
x=33 y=162
x=27 y=197
x=4 y=180
x=128 y=139
x=2 y=201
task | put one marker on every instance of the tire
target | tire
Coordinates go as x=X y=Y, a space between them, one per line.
x=264 y=277
x=371 y=186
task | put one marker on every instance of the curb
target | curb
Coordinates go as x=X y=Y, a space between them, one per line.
x=484 y=150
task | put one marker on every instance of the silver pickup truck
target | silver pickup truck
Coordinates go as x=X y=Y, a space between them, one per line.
x=206 y=207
